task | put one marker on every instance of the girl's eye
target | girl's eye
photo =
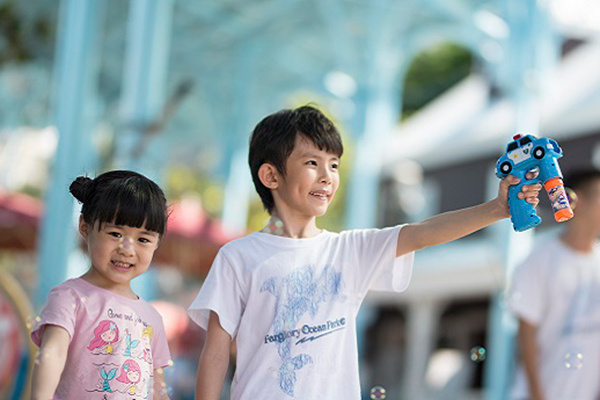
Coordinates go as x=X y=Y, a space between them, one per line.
x=334 y=166
x=115 y=234
x=144 y=240
x=311 y=162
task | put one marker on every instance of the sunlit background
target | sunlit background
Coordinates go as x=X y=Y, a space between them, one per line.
x=426 y=94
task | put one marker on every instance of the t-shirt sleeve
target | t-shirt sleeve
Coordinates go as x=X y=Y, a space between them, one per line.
x=525 y=294
x=160 y=347
x=221 y=293
x=378 y=266
x=60 y=310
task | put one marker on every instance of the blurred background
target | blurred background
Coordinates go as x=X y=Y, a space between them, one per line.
x=427 y=93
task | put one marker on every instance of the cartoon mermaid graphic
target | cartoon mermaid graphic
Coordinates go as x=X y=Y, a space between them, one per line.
x=130 y=374
x=129 y=344
x=103 y=384
x=147 y=344
x=105 y=335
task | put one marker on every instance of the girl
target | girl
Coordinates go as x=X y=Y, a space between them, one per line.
x=123 y=217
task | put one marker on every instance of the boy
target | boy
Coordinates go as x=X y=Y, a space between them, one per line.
x=555 y=295
x=289 y=294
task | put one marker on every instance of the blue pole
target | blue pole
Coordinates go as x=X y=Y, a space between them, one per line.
x=73 y=75
x=144 y=81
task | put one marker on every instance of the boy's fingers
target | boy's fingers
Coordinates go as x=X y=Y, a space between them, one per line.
x=532 y=175
x=511 y=180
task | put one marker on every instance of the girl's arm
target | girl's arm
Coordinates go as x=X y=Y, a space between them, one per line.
x=160 y=387
x=214 y=361
x=50 y=362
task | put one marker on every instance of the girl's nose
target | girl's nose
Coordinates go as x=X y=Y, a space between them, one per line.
x=126 y=243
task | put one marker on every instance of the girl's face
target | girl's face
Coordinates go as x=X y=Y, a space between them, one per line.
x=118 y=253
x=108 y=336
x=133 y=376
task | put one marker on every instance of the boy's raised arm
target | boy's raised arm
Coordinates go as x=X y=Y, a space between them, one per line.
x=214 y=361
x=453 y=225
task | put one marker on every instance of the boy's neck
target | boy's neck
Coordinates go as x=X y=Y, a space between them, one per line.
x=580 y=238
x=288 y=226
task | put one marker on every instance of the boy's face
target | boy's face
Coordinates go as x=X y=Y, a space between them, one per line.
x=310 y=181
x=588 y=205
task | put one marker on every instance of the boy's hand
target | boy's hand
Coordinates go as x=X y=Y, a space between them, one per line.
x=529 y=192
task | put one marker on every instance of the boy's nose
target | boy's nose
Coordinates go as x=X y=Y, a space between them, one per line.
x=326 y=177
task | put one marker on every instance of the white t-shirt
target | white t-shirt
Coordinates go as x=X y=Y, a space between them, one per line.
x=292 y=303
x=558 y=290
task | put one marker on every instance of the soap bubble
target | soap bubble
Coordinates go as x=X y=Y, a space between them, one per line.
x=378 y=393
x=573 y=360
x=478 y=354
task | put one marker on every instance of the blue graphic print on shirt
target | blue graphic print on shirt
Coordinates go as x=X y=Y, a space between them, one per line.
x=300 y=292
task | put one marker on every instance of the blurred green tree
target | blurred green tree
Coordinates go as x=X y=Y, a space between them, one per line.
x=432 y=72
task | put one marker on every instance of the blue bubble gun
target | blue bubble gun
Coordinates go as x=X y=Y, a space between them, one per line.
x=524 y=153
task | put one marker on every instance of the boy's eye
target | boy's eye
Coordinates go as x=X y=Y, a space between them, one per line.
x=115 y=234
x=334 y=166
x=311 y=162
x=144 y=240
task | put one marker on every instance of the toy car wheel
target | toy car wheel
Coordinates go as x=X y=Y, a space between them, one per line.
x=539 y=153
x=505 y=168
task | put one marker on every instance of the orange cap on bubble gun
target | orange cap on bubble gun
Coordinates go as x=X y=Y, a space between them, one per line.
x=558 y=197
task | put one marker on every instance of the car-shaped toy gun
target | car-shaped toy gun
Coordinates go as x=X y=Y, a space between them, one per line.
x=523 y=154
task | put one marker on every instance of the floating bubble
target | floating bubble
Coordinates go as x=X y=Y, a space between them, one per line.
x=38 y=319
x=478 y=354
x=83 y=299
x=170 y=363
x=378 y=393
x=574 y=360
x=160 y=371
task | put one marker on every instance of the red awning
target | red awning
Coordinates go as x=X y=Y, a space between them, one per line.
x=19 y=219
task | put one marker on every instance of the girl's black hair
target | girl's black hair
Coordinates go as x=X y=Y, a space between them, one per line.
x=121 y=198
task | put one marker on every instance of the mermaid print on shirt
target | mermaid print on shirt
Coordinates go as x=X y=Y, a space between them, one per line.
x=106 y=334
x=296 y=294
x=129 y=344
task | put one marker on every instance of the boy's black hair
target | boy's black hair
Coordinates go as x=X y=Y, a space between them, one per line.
x=121 y=198
x=274 y=137
x=580 y=179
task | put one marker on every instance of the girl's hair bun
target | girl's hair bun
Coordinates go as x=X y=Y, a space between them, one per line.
x=81 y=188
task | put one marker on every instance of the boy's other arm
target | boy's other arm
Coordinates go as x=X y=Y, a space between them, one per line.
x=214 y=361
x=453 y=225
x=50 y=362
x=528 y=350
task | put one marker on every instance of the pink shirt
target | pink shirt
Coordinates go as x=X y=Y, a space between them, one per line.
x=116 y=342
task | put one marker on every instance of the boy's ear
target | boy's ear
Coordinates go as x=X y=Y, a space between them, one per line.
x=269 y=176
x=83 y=228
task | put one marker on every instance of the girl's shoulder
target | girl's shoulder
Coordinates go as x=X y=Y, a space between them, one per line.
x=69 y=287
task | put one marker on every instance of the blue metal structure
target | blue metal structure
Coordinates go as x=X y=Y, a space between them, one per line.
x=248 y=59
x=73 y=113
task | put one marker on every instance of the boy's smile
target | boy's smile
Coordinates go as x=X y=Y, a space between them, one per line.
x=310 y=181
